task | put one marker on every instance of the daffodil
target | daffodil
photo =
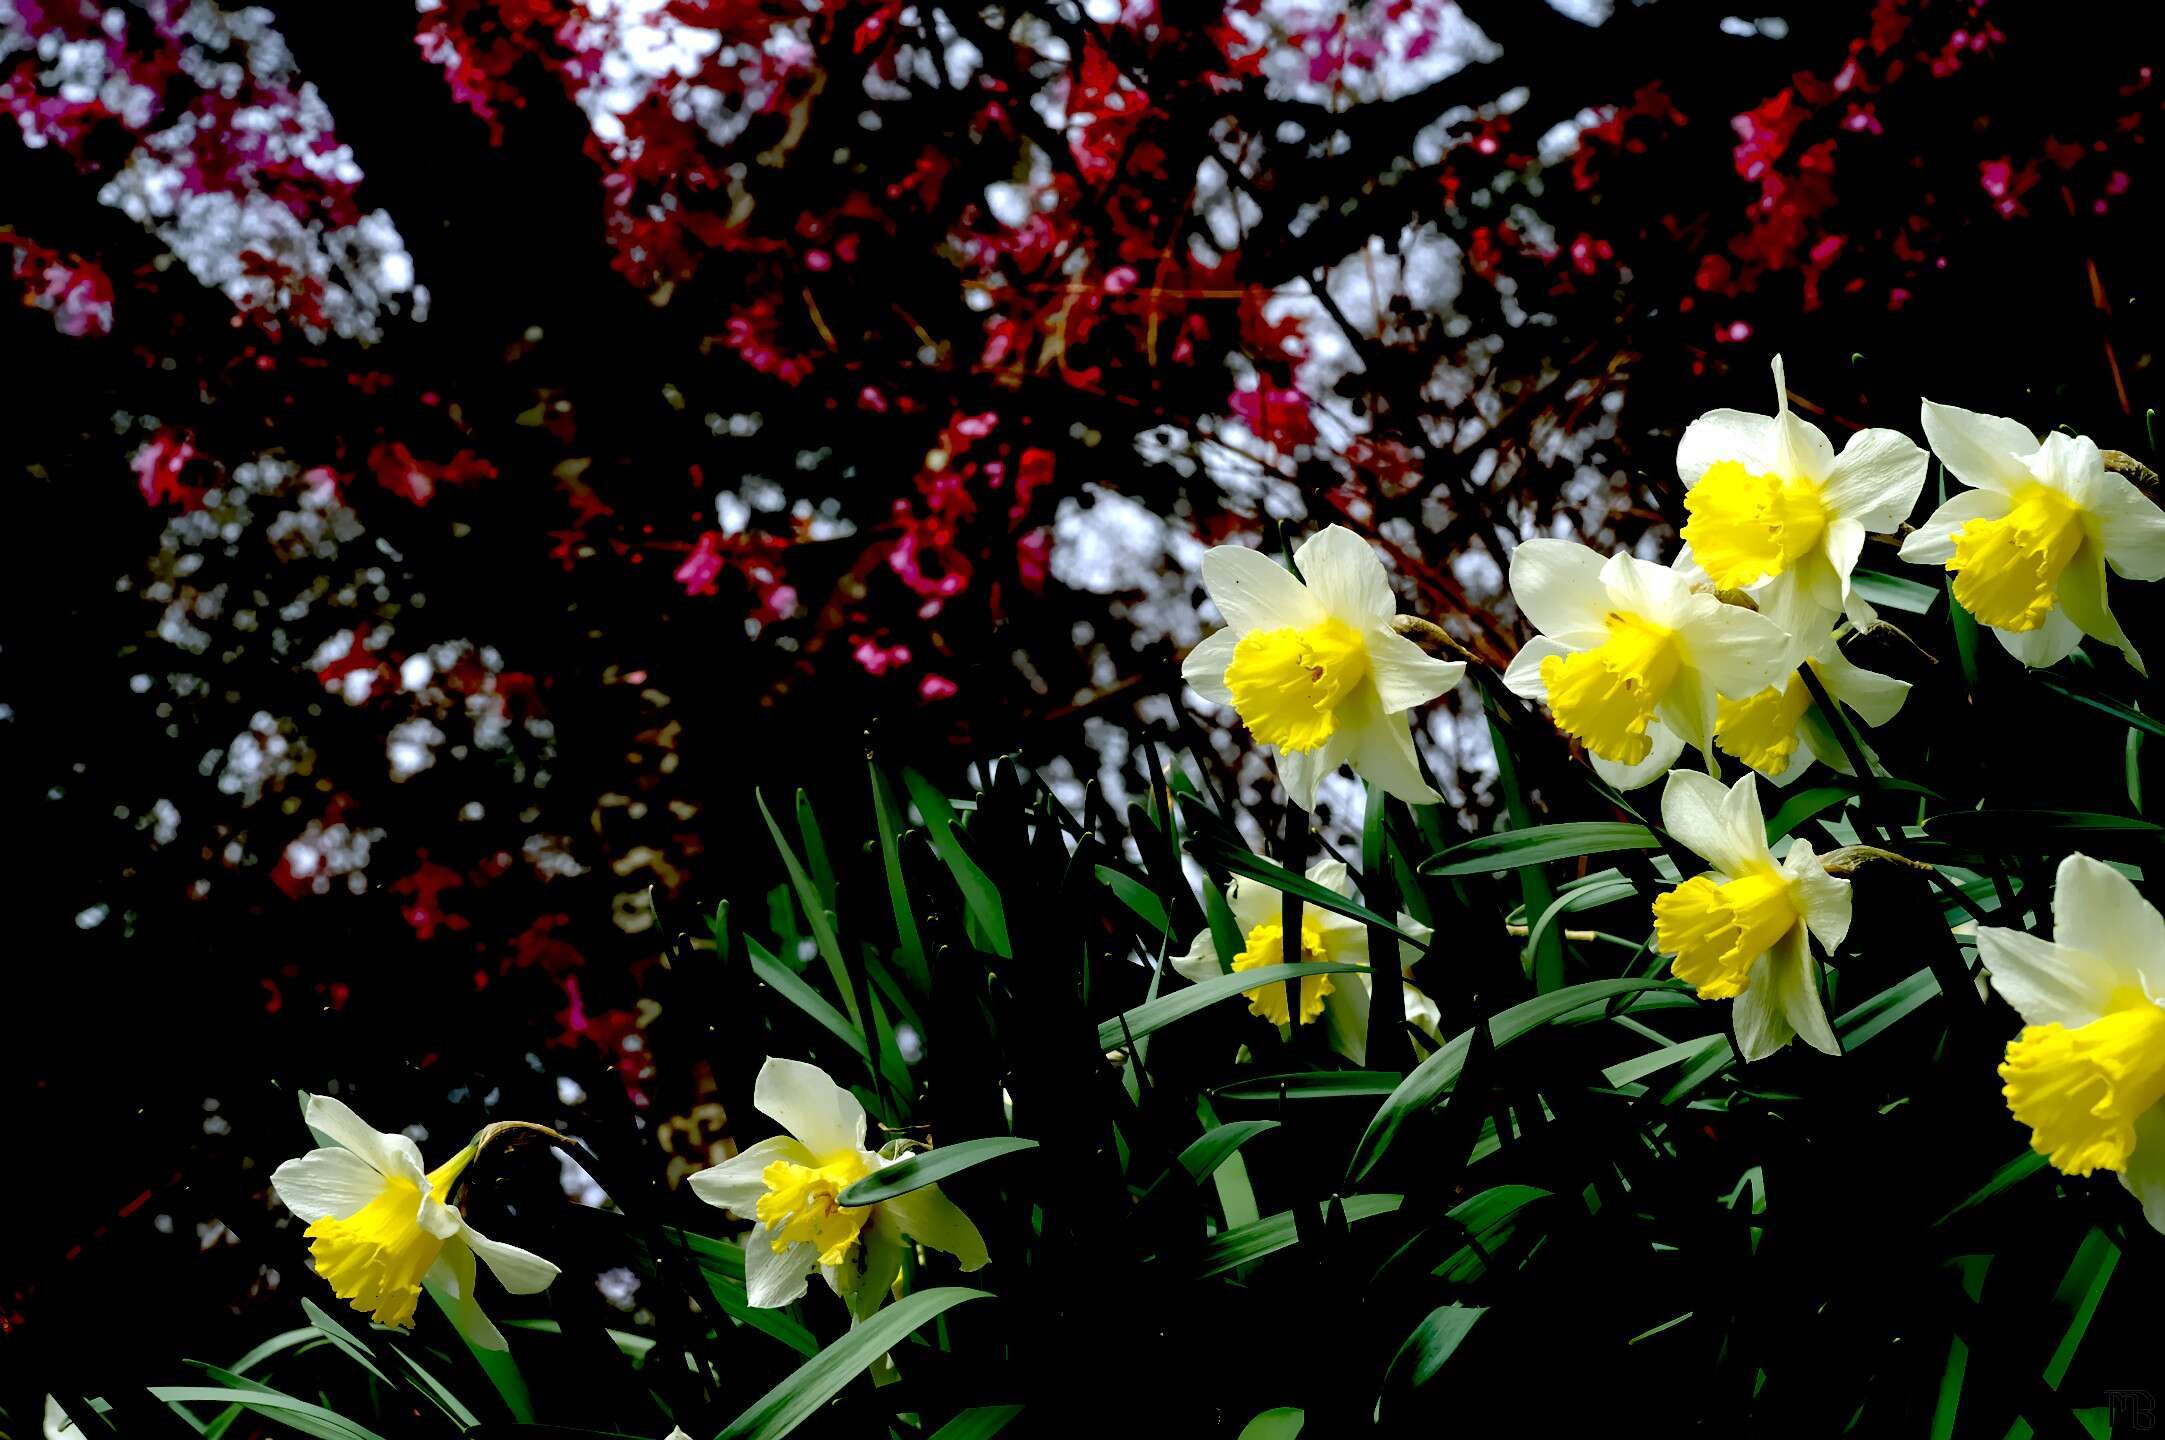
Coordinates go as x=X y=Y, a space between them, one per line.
x=1313 y=667
x=380 y=1228
x=789 y=1186
x=1738 y=931
x=2029 y=544
x=1778 y=733
x=1339 y=1001
x=1772 y=509
x=1631 y=658
x=2087 y=1072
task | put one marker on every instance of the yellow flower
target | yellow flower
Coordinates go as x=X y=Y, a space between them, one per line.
x=1340 y=1002
x=1738 y=932
x=1773 y=510
x=2087 y=1072
x=1777 y=732
x=1313 y=667
x=2029 y=544
x=1631 y=658
x=792 y=1186
x=380 y=1230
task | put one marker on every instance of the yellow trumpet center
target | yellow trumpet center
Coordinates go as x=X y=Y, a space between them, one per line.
x=800 y=1206
x=2007 y=571
x=374 y=1258
x=1266 y=946
x=1287 y=684
x=1604 y=697
x=1761 y=729
x=1718 y=929
x=1745 y=528
x=2081 y=1090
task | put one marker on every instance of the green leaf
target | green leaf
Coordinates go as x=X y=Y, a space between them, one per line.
x=354 y=1347
x=1231 y=1248
x=1583 y=897
x=1156 y=1014
x=722 y=1263
x=1804 y=805
x=1434 y=1339
x=2022 y=1167
x=1892 y=592
x=1489 y=1220
x=1991 y=832
x=1283 y=1423
x=1312 y=1085
x=929 y=1167
x=1538 y=844
x=2081 y=1288
x=1885 y=1008
x=908 y=944
x=300 y=1414
x=815 y=911
x=792 y=987
x=1638 y=1068
x=1432 y=1079
x=1245 y=862
x=2126 y=714
x=981 y=1422
x=821 y=1378
x=979 y=894
x=436 y=1390
x=1137 y=896
x=1215 y=1147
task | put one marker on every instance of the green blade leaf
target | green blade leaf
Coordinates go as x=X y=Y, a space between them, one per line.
x=1229 y=1249
x=1211 y=849
x=1991 y=832
x=1434 y=1339
x=815 y=911
x=1214 y=1148
x=1283 y=1423
x=909 y=946
x=1313 y=1085
x=1538 y=844
x=300 y=1414
x=1892 y=592
x=929 y=1167
x=981 y=1422
x=1156 y=1014
x=1137 y=896
x=1432 y=1079
x=812 y=1384
x=979 y=894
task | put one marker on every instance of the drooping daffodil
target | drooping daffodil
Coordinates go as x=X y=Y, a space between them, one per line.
x=1774 y=511
x=1738 y=932
x=789 y=1186
x=1339 y=1001
x=1779 y=732
x=2087 y=1073
x=1313 y=667
x=380 y=1228
x=2029 y=544
x=1631 y=658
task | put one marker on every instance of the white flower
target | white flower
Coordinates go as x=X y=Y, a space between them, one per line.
x=1778 y=732
x=2029 y=545
x=1774 y=511
x=380 y=1228
x=788 y=1185
x=1739 y=930
x=1341 y=1001
x=2088 y=1070
x=1631 y=658
x=1313 y=666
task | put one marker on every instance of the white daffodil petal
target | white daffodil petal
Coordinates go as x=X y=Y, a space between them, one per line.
x=1332 y=875
x=2097 y=910
x=1345 y=1013
x=1933 y=543
x=1845 y=545
x=1344 y=576
x=2144 y=1177
x=1800 y=447
x=333 y=1122
x=1557 y=586
x=1423 y=1013
x=57 y=1425
x=1201 y=961
x=931 y=1219
x=1691 y=708
x=1722 y=435
x=735 y=1184
x=1204 y=669
x=518 y=1270
x=1640 y=587
x=1695 y=810
x=2082 y=598
x=1875 y=697
x=1253 y=903
x=2048 y=644
x=2133 y=528
x=331 y=1181
x=1981 y=450
x=1877 y=480
x=1796 y=982
x=1762 y=1025
x=804 y=1100
x=450 y=1283
x=773 y=1278
x=1820 y=898
x=1522 y=677
x=2047 y=984
x=1254 y=592
x=2070 y=464
x=871 y=1276
x=1739 y=651
x=1667 y=746
x=1405 y=674
x=1380 y=749
x=1302 y=771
